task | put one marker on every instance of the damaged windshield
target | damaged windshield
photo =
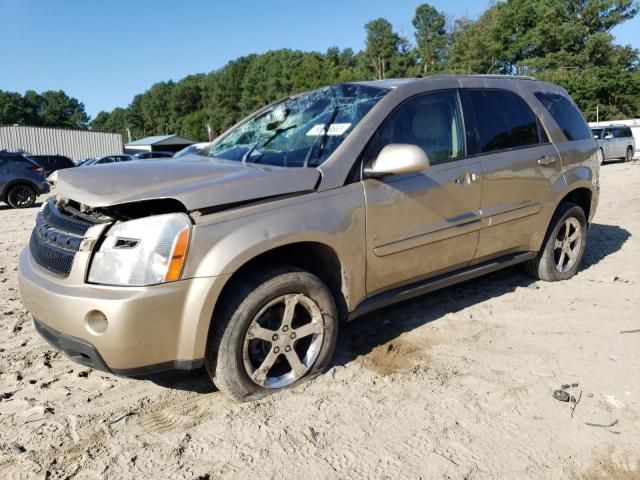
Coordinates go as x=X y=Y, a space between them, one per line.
x=302 y=131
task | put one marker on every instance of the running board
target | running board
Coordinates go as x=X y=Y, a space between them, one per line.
x=408 y=292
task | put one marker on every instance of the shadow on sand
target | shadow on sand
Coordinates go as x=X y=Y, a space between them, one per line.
x=370 y=331
x=4 y=206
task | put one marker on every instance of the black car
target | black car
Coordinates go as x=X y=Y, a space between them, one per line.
x=51 y=163
x=21 y=180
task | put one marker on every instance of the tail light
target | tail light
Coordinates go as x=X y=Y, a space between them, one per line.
x=37 y=169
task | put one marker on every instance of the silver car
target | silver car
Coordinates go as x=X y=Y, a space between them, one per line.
x=615 y=141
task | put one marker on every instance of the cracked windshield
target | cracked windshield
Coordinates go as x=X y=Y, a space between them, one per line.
x=302 y=131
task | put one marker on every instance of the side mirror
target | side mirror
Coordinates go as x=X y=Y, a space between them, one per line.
x=398 y=159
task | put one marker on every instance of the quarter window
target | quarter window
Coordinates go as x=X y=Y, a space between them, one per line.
x=503 y=121
x=432 y=121
x=566 y=115
x=623 y=132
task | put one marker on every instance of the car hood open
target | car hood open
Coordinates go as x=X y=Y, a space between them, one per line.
x=197 y=182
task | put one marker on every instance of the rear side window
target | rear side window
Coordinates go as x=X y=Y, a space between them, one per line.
x=566 y=115
x=622 y=132
x=503 y=120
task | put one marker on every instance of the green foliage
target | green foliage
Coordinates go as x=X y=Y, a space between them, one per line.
x=382 y=45
x=431 y=38
x=567 y=42
x=48 y=109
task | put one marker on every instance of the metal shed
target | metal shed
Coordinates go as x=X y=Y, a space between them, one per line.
x=75 y=144
x=168 y=143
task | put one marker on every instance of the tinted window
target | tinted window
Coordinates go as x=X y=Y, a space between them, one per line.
x=433 y=122
x=566 y=115
x=503 y=120
x=622 y=132
x=597 y=133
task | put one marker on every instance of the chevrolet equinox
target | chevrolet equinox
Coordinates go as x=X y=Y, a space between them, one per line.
x=319 y=208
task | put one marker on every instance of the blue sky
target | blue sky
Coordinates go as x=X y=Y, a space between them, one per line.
x=105 y=52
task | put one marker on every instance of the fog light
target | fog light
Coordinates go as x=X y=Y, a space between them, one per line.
x=96 y=322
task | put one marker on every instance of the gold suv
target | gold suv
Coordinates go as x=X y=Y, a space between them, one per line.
x=319 y=208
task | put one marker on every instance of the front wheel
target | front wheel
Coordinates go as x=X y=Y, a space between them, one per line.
x=276 y=330
x=629 y=154
x=564 y=245
x=21 y=196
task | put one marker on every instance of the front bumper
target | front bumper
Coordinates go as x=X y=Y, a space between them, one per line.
x=149 y=329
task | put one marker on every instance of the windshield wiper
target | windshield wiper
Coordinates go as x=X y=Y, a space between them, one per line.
x=264 y=143
x=323 y=137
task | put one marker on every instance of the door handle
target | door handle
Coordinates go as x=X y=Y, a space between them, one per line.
x=546 y=160
x=466 y=178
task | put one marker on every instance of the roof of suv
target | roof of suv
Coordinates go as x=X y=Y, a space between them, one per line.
x=398 y=82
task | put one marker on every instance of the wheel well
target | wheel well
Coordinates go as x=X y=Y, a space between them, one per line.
x=582 y=198
x=9 y=186
x=316 y=258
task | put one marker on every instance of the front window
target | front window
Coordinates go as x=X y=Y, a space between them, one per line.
x=302 y=131
x=597 y=133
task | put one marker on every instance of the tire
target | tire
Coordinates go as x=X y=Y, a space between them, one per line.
x=248 y=360
x=556 y=252
x=628 y=154
x=21 y=196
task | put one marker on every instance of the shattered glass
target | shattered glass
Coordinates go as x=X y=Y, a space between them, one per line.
x=302 y=131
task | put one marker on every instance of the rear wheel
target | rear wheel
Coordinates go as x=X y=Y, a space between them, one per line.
x=564 y=245
x=21 y=196
x=276 y=331
x=629 y=154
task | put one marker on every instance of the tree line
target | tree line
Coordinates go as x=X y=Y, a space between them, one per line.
x=46 y=109
x=567 y=42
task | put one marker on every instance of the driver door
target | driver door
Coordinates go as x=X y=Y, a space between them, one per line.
x=425 y=224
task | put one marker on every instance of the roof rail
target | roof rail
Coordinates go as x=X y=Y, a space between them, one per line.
x=499 y=75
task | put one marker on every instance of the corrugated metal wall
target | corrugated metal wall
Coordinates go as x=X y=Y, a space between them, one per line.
x=75 y=144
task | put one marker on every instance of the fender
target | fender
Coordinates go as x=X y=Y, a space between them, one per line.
x=18 y=181
x=222 y=243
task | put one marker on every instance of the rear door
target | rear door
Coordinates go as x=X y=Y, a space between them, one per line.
x=420 y=225
x=609 y=143
x=519 y=165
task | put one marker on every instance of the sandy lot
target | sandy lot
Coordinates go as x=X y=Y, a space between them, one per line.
x=455 y=385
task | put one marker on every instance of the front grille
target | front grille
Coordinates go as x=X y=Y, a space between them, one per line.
x=56 y=238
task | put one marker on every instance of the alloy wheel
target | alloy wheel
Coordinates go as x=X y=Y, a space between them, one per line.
x=567 y=246
x=283 y=341
x=21 y=196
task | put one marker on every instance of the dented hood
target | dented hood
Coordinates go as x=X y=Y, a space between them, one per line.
x=197 y=182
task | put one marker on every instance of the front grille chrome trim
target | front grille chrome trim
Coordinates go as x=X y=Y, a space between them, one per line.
x=56 y=238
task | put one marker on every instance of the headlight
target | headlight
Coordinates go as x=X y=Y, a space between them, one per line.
x=142 y=252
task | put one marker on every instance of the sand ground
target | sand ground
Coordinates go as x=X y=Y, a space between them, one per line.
x=455 y=385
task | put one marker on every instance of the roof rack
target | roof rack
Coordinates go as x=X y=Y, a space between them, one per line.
x=498 y=75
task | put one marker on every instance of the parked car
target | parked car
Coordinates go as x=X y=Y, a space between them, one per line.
x=195 y=148
x=150 y=155
x=21 y=180
x=315 y=210
x=615 y=141
x=51 y=163
x=104 y=160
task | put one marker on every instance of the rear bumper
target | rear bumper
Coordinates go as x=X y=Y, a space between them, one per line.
x=43 y=187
